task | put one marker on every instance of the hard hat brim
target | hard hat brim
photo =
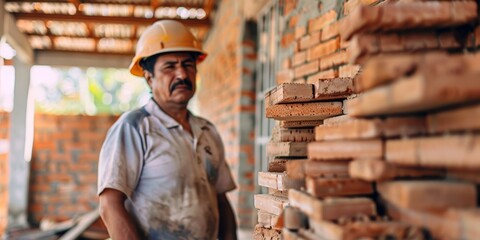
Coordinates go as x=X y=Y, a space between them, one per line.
x=137 y=70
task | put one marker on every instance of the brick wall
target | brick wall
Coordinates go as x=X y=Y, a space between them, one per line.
x=4 y=139
x=226 y=97
x=64 y=165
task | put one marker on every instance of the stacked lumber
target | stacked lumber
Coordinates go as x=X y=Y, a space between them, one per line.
x=432 y=97
x=402 y=159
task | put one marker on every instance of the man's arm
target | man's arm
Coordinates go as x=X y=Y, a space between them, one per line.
x=228 y=226
x=115 y=216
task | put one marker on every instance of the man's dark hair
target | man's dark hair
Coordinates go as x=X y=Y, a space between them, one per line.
x=148 y=63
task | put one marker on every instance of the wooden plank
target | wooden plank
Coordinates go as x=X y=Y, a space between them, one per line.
x=379 y=170
x=331 y=208
x=304 y=111
x=321 y=187
x=296 y=169
x=356 y=128
x=345 y=149
x=453 y=224
x=366 y=45
x=277 y=193
x=417 y=93
x=292 y=135
x=457 y=120
x=81 y=226
x=300 y=124
x=326 y=169
x=287 y=149
x=465 y=175
x=382 y=69
x=431 y=195
x=279 y=181
x=337 y=119
x=364 y=230
x=294 y=218
x=446 y=151
x=335 y=88
x=352 y=129
x=288 y=93
x=407 y=16
x=468 y=221
x=270 y=204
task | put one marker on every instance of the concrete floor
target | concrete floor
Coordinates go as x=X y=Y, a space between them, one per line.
x=245 y=234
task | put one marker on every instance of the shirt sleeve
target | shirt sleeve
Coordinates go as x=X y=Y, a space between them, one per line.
x=225 y=180
x=121 y=159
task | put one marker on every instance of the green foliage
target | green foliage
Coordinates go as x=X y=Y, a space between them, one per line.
x=89 y=91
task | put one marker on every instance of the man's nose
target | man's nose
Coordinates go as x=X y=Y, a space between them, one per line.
x=181 y=72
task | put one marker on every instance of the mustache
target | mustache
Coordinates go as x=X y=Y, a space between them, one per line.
x=184 y=82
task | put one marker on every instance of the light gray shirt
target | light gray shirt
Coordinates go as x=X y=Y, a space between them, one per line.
x=170 y=177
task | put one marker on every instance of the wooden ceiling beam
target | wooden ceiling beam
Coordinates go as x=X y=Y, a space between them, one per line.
x=105 y=19
x=90 y=36
x=156 y=3
x=130 y=54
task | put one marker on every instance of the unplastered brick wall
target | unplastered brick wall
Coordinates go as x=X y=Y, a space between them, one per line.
x=63 y=178
x=226 y=97
x=4 y=140
x=311 y=47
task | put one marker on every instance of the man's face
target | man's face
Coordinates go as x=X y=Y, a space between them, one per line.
x=173 y=81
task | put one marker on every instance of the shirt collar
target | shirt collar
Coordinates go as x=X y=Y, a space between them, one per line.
x=197 y=124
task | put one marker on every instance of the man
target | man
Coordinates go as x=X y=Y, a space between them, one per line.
x=162 y=171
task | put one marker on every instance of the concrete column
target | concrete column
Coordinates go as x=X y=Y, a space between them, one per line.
x=21 y=124
x=2 y=17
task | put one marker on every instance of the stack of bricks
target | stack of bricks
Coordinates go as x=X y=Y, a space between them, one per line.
x=401 y=159
x=297 y=109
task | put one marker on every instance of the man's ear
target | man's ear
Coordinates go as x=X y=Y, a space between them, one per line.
x=148 y=76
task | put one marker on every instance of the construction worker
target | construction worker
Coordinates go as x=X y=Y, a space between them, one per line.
x=162 y=171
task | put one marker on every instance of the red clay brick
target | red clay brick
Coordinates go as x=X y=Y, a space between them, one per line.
x=335 y=59
x=335 y=88
x=306 y=69
x=330 y=31
x=328 y=74
x=284 y=76
x=323 y=49
x=350 y=5
x=292 y=22
x=348 y=71
x=304 y=111
x=322 y=21
x=300 y=32
x=299 y=58
x=310 y=40
x=287 y=39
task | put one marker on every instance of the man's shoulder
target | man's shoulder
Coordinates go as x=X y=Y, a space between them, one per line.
x=133 y=117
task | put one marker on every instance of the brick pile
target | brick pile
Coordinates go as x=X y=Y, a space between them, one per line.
x=395 y=104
